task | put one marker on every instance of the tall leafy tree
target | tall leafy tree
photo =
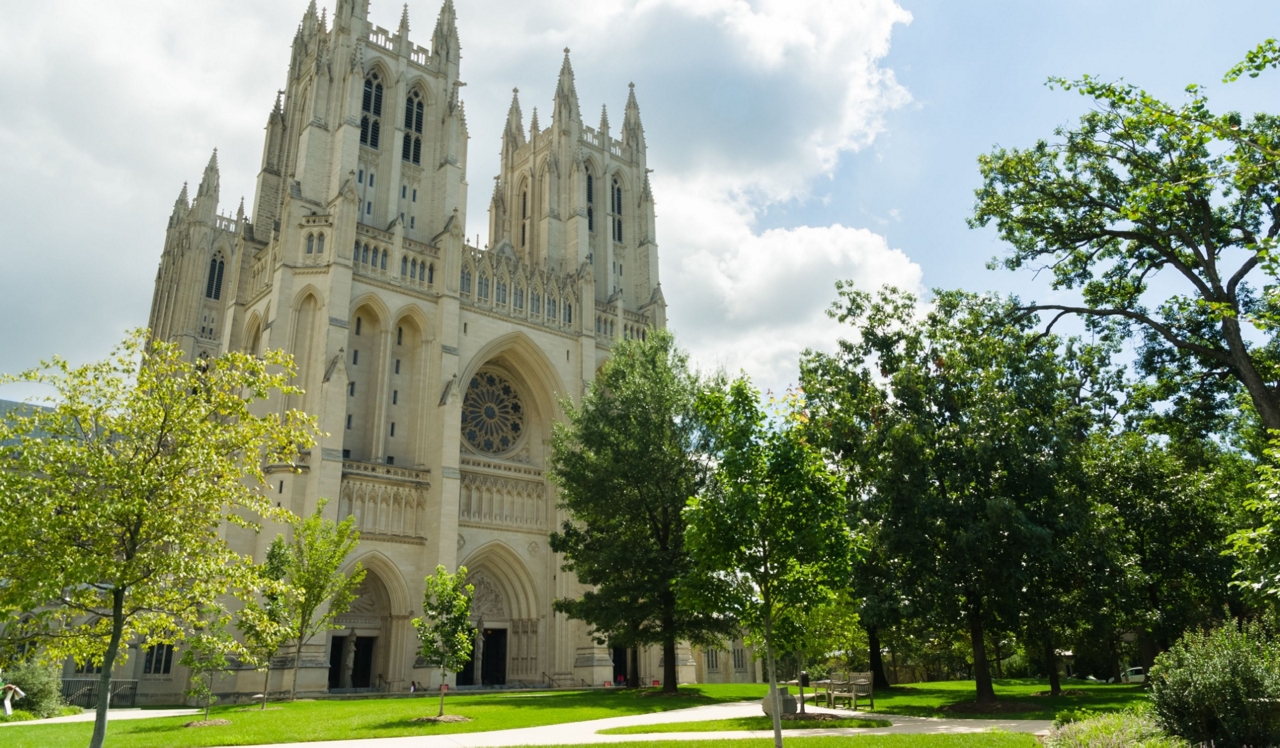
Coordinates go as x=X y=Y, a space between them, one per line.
x=318 y=589
x=954 y=433
x=1167 y=532
x=114 y=497
x=626 y=461
x=769 y=530
x=1165 y=219
x=445 y=626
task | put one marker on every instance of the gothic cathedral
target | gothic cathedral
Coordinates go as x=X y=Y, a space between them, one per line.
x=433 y=366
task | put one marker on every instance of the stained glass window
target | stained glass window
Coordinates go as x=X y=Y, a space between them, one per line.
x=492 y=414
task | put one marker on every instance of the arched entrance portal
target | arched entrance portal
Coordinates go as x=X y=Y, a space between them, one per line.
x=503 y=611
x=358 y=651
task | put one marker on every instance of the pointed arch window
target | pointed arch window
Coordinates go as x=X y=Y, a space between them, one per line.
x=615 y=204
x=319 y=244
x=524 y=217
x=568 y=313
x=466 y=280
x=384 y=259
x=482 y=287
x=404 y=265
x=500 y=292
x=213 y=287
x=517 y=298
x=371 y=106
x=311 y=244
x=551 y=308
x=431 y=273
x=535 y=303
x=413 y=110
x=364 y=255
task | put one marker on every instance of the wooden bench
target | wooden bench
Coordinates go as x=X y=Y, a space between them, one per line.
x=856 y=686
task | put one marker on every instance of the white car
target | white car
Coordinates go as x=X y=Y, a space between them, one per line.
x=1134 y=675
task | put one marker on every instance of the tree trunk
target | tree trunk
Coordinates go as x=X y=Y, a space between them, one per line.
x=108 y=663
x=986 y=693
x=266 y=683
x=1264 y=400
x=208 y=697
x=633 y=672
x=1051 y=658
x=878 y=679
x=297 y=662
x=999 y=668
x=443 y=675
x=773 y=681
x=669 y=662
x=1146 y=650
x=1115 y=662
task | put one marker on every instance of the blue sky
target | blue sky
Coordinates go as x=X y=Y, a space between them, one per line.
x=794 y=141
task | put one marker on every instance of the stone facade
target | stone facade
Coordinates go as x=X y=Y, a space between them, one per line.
x=434 y=367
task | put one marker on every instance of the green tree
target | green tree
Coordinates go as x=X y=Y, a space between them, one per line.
x=768 y=531
x=265 y=626
x=1162 y=217
x=319 y=591
x=115 y=497
x=956 y=423
x=205 y=654
x=445 y=626
x=626 y=462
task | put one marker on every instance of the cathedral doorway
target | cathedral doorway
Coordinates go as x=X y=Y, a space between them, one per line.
x=358 y=651
x=491 y=649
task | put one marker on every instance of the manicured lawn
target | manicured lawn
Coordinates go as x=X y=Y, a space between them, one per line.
x=973 y=740
x=932 y=699
x=743 y=723
x=376 y=718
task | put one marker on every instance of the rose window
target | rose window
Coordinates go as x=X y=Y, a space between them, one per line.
x=492 y=416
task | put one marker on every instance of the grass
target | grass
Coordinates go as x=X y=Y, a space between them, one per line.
x=948 y=699
x=970 y=740
x=303 y=721
x=392 y=717
x=743 y=723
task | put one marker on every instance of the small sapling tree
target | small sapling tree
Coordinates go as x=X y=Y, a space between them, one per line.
x=445 y=625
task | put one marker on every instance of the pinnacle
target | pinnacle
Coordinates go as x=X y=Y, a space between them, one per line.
x=213 y=161
x=404 y=19
x=604 y=118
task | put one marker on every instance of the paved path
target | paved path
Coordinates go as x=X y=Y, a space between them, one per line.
x=113 y=715
x=577 y=733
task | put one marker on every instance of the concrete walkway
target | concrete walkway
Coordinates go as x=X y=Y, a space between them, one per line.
x=578 y=733
x=113 y=715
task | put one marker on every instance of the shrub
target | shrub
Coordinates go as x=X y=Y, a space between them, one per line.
x=19 y=715
x=1067 y=716
x=1207 y=687
x=42 y=685
x=1132 y=729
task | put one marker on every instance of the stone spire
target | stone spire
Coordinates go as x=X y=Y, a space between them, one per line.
x=566 y=110
x=209 y=183
x=632 y=130
x=604 y=119
x=404 y=21
x=180 y=207
x=533 y=125
x=444 y=42
x=515 y=121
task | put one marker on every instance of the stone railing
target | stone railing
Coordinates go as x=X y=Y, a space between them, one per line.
x=386 y=501
x=502 y=502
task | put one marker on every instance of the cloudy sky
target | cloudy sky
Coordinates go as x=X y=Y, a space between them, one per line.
x=794 y=142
